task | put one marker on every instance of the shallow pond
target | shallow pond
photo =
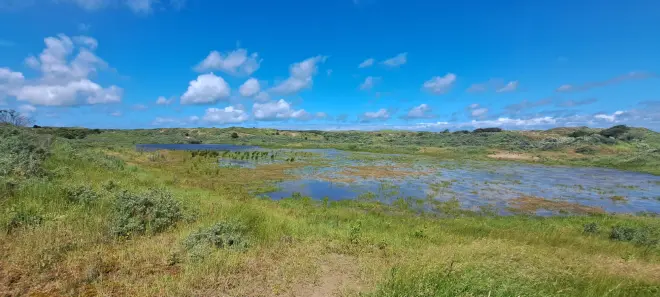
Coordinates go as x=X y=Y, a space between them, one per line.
x=424 y=181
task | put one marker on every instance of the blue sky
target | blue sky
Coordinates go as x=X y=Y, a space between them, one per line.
x=340 y=64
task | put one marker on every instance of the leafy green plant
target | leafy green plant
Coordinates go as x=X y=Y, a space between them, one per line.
x=221 y=235
x=81 y=194
x=623 y=233
x=147 y=213
x=591 y=228
x=22 y=218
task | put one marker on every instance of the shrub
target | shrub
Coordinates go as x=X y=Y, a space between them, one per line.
x=585 y=150
x=615 y=131
x=81 y=194
x=147 y=213
x=22 y=218
x=234 y=135
x=221 y=235
x=580 y=133
x=23 y=152
x=622 y=233
x=591 y=228
x=110 y=185
x=482 y=130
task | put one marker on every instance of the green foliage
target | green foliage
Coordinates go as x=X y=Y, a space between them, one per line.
x=591 y=228
x=643 y=236
x=22 y=217
x=147 y=213
x=110 y=185
x=22 y=152
x=68 y=133
x=585 y=150
x=234 y=135
x=230 y=235
x=580 y=133
x=483 y=130
x=615 y=131
x=354 y=232
x=83 y=194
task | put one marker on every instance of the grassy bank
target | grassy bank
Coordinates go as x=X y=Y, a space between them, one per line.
x=84 y=217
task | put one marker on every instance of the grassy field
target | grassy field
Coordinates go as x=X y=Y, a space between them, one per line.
x=84 y=213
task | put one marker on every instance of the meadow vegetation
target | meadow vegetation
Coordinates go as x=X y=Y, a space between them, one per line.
x=84 y=213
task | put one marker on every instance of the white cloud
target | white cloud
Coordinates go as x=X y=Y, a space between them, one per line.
x=397 y=60
x=300 y=76
x=72 y=93
x=419 y=112
x=565 y=88
x=367 y=63
x=440 y=84
x=206 y=89
x=369 y=83
x=262 y=97
x=227 y=115
x=382 y=114
x=321 y=115
x=509 y=87
x=609 y=117
x=116 y=114
x=280 y=110
x=87 y=41
x=160 y=121
x=65 y=81
x=477 y=111
x=249 y=88
x=140 y=6
x=27 y=109
x=10 y=82
x=163 y=101
x=236 y=62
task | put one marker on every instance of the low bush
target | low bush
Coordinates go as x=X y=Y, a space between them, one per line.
x=615 y=131
x=81 y=194
x=591 y=228
x=491 y=130
x=23 y=152
x=150 y=212
x=585 y=150
x=221 y=235
x=580 y=133
x=622 y=233
x=17 y=218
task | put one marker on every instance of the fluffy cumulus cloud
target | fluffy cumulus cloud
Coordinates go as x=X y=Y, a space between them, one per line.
x=369 y=83
x=419 y=112
x=509 y=87
x=64 y=77
x=69 y=94
x=440 y=84
x=300 y=76
x=367 y=63
x=250 y=88
x=278 y=110
x=227 y=115
x=206 y=89
x=237 y=62
x=397 y=60
x=379 y=115
x=163 y=101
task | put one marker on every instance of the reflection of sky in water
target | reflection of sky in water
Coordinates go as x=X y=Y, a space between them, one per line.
x=483 y=183
x=474 y=184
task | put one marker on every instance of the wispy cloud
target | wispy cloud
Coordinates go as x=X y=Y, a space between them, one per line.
x=635 y=75
x=6 y=43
